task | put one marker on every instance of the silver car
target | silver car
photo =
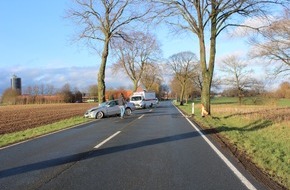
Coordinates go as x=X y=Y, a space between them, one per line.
x=108 y=109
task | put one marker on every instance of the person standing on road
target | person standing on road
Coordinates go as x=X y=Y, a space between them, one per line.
x=122 y=102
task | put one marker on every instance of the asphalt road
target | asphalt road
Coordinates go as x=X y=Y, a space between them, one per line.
x=152 y=149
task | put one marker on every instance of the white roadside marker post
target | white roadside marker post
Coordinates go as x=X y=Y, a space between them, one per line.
x=192 y=108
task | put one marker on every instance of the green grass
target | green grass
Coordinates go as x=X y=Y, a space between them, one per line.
x=284 y=102
x=225 y=100
x=250 y=101
x=262 y=135
x=15 y=137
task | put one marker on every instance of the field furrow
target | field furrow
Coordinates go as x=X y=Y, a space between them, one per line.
x=22 y=117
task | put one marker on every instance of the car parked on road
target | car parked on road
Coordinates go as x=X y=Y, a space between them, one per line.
x=108 y=109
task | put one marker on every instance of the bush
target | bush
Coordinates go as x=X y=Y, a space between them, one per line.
x=10 y=96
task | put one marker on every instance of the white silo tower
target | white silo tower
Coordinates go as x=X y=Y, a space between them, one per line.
x=16 y=83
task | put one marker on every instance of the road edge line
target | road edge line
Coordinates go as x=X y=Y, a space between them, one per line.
x=243 y=179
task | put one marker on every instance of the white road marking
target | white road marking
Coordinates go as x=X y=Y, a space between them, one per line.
x=106 y=140
x=243 y=179
x=141 y=116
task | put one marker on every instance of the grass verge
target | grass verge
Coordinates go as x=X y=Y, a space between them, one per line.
x=262 y=132
x=11 y=138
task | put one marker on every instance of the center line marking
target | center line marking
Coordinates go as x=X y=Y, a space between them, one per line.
x=106 y=140
x=141 y=116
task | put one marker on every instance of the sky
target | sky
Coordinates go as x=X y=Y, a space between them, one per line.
x=36 y=45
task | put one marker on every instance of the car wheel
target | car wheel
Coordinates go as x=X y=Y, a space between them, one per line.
x=99 y=115
x=128 y=111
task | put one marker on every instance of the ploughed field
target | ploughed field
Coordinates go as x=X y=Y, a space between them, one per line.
x=21 y=117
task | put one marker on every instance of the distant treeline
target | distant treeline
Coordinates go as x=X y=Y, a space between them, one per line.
x=11 y=97
x=65 y=95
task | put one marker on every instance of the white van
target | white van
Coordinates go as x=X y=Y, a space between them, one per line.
x=144 y=99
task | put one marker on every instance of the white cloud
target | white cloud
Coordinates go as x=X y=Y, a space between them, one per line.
x=77 y=77
x=253 y=22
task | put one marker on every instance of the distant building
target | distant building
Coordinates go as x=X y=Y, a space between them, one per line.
x=16 y=84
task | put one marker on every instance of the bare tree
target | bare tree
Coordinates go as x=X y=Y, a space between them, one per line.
x=36 y=90
x=207 y=19
x=103 y=20
x=238 y=76
x=196 y=81
x=93 y=90
x=50 y=89
x=152 y=77
x=190 y=91
x=182 y=66
x=135 y=54
x=164 y=91
x=66 y=93
x=28 y=90
x=197 y=78
x=91 y=93
x=9 y=96
x=283 y=90
x=274 y=44
x=175 y=88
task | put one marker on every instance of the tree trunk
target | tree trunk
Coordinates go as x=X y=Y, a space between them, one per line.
x=182 y=94
x=207 y=70
x=240 y=96
x=205 y=95
x=135 y=83
x=206 y=83
x=101 y=75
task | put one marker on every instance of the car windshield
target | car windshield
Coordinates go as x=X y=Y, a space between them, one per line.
x=103 y=104
x=136 y=98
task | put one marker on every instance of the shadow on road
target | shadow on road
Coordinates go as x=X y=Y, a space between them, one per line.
x=93 y=153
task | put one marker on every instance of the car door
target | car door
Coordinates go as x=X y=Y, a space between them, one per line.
x=113 y=108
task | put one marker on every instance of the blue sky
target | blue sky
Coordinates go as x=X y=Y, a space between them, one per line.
x=36 y=45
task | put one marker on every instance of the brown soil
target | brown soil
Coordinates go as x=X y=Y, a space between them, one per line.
x=21 y=117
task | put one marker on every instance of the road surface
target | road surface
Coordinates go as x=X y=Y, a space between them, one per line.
x=154 y=148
